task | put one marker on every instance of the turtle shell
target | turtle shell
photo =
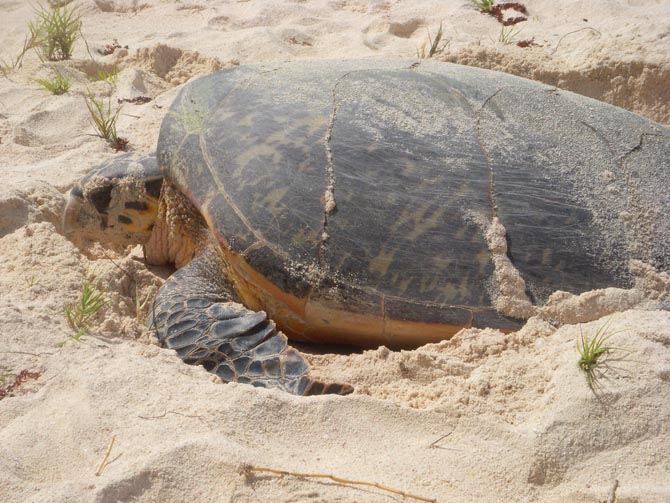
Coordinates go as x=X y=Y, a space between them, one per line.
x=351 y=199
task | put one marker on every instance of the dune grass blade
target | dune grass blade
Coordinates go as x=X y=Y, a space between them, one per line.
x=78 y=314
x=8 y=66
x=592 y=350
x=508 y=35
x=56 y=27
x=483 y=5
x=434 y=48
x=109 y=76
x=58 y=85
x=102 y=117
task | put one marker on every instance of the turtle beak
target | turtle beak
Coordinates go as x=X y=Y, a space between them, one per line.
x=71 y=213
x=81 y=214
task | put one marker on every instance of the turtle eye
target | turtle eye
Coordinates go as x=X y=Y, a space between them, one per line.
x=100 y=198
x=153 y=187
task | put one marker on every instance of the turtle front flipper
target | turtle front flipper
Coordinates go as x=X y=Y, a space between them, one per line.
x=196 y=314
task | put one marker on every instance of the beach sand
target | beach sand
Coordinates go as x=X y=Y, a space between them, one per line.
x=484 y=417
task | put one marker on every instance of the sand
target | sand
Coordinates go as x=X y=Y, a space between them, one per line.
x=484 y=417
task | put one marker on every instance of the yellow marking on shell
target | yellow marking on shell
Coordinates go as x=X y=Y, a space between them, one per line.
x=409 y=168
x=464 y=286
x=424 y=222
x=440 y=262
x=483 y=260
x=305 y=235
x=405 y=216
x=380 y=264
x=459 y=235
x=400 y=283
x=273 y=201
x=254 y=150
x=450 y=291
x=428 y=283
x=246 y=121
x=256 y=147
x=418 y=220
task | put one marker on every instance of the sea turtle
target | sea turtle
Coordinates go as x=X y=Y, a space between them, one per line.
x=376 y=202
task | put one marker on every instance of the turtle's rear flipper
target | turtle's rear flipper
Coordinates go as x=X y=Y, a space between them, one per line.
x=195 y=314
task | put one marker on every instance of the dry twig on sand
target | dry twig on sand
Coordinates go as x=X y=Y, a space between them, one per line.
x=98 y=472
x=249 y=469
x=612 y=496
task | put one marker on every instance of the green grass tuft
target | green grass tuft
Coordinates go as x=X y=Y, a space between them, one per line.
x=58 y=85
x=55 y=29
x=79 y=314
x=592 y=353
x=142 y=303
x=110 y=76
x=483 y=5
x=104 y=120
x=508 y=35
x=433 y=45
x=8 y=66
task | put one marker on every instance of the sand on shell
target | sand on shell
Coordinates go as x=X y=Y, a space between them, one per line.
x=483 y=417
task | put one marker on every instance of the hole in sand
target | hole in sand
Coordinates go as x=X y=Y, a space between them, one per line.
x=174 y=65
x=405 y=29
x=636 y=86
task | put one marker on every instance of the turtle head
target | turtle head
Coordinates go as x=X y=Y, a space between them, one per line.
x=117 y=203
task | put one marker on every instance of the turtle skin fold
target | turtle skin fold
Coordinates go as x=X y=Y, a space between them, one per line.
x=196 y=314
